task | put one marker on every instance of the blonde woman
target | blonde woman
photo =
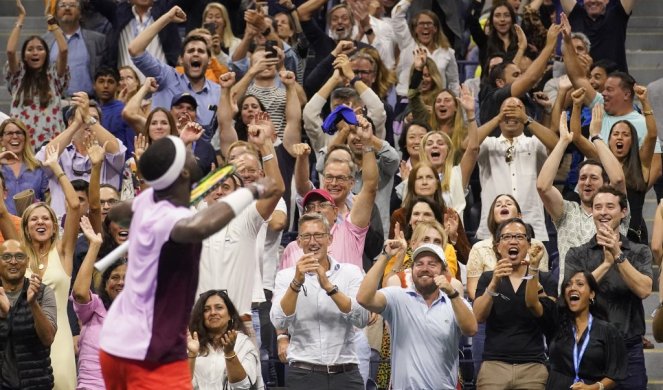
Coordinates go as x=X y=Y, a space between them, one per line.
x=52 y=259
x=224 y=42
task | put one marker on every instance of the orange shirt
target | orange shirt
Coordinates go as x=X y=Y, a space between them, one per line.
x=214 y=70
x=17 y=224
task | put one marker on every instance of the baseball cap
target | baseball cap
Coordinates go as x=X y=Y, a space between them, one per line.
x=430 y=248
x=319 y=192
x=184 y=97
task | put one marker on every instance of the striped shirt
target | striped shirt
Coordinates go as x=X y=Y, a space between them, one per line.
x=273 y=98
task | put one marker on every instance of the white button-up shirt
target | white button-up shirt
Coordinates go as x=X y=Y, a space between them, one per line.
x=517 y=178
x=319 y=332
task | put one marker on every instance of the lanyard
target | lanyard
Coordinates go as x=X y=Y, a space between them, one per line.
x=577 y=357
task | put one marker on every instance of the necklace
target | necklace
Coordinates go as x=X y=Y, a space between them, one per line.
x=40 y=265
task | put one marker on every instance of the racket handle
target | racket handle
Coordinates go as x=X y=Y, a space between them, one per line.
x=112 y=257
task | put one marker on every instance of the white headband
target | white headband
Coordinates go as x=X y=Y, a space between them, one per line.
x=173 y=172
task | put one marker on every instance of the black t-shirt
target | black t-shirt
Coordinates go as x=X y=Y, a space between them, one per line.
x=625 y=310
x=513 y=334
x=607 y=33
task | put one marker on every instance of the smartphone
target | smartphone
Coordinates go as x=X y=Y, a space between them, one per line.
x=211 y=27
x=269 y=48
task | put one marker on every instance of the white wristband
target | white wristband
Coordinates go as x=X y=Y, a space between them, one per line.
x=283 y=336
x=239 y=200
x=267 y=157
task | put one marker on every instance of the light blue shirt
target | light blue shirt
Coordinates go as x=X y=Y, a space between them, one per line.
x=424 y=340
x=636 y=119
x=78 y=60
x=172 y=83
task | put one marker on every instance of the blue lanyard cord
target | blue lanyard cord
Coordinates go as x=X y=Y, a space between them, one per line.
x=577 y=357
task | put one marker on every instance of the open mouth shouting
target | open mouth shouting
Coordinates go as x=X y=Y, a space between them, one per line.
x=513 y=253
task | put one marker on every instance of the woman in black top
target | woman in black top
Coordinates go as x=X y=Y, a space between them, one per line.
x=581 y=334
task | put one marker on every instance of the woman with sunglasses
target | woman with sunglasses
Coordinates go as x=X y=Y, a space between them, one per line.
x=221 y=355
x=91 y=307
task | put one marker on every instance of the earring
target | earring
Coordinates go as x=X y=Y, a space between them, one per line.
x=591 y=301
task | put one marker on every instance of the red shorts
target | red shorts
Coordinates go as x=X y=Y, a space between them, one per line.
x=121 y=374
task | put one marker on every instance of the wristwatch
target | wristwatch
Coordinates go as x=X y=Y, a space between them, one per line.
x=620 y=258
x=595 y=137
x=453 y=294
x=528 y=121
x=333 y=291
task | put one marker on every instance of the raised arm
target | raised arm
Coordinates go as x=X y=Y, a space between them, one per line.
x=308 y=8
x=552 y=199
x=81 y=289
x=224 y=113
x=302 y=174
x=469 y=159
x=650 y=139
x=534 y=72
x=657 y=236
x=583 y=144
x=532 y=287
x=259 y=132
x=360 y=215
x=96 y=153
x=628 y=5
x=133 y=112
x=67 y=245
x=12 y=43
x=292 y=134
x=573 y=68
x=567 y=5
x=140 y=43
x=368 y=295
x=612 y=166
x=63 y=48
x=7 y=227
x=102 y=135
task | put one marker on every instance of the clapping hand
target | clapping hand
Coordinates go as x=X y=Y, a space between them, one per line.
x=228 y=341
x=95 y=151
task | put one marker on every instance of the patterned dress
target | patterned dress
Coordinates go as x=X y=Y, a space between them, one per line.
x=44 y=123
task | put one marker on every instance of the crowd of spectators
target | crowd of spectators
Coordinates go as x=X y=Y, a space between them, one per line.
x=446 y=179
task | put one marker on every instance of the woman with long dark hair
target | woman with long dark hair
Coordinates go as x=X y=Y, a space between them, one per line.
x=504 y=36
x=220 y=352
x=585 y=349
x=91 y=307
x=37 y=87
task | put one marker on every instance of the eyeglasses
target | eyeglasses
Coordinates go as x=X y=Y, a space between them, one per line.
x=316 y=236
x=109 y=202
x=79 y=170
x=509 y=154
x=7 y=257
x=311 y=207
x=10 y=134
x=425 y=24
x=511 y=237
x=339 y=179
x=67 y=5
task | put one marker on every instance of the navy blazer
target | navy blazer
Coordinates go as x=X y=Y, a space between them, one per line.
x=119 y=15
